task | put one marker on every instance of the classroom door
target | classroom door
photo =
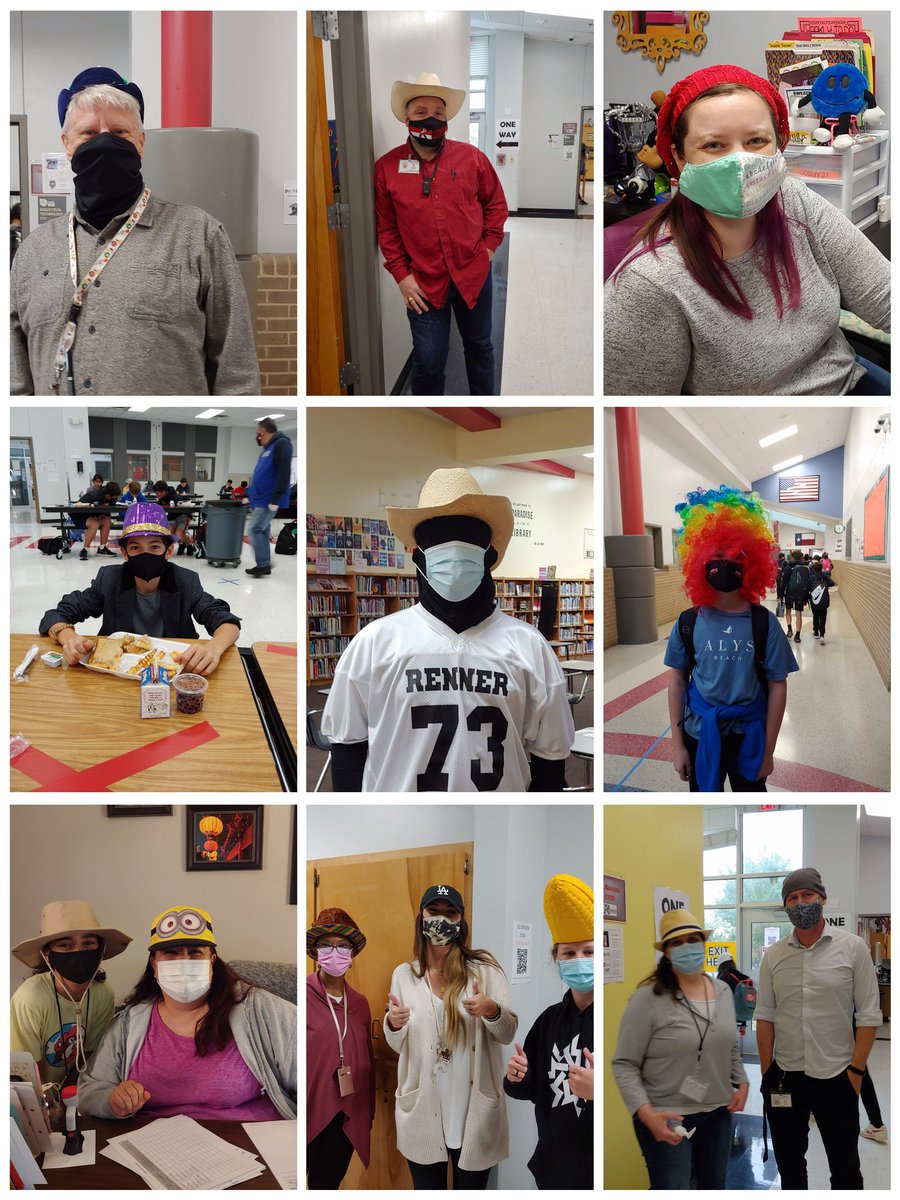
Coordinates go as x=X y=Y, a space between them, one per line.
x=23 y=497
x=381 y=892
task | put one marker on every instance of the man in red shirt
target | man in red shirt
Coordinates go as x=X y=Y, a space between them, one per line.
x=441 y=212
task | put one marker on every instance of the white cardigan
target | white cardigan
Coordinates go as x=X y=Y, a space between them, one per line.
x=420 y=1135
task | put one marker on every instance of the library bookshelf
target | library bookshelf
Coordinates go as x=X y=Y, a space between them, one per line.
x=338 y=606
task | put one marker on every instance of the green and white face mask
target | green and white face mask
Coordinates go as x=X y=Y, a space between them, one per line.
x=736 y=185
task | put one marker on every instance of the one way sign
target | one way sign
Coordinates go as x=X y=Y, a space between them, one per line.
x=507 y=133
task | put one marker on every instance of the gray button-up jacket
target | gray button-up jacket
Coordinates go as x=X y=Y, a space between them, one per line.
x=168 y=316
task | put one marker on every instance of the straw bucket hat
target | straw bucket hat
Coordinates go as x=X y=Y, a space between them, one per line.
x=62 y=918
x=454 y=492
x=678 y=922
x=425 y=85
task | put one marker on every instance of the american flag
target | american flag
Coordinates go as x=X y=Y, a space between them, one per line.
x=798 y=487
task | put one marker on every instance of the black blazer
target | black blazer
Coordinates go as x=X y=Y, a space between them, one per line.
x=111 y=596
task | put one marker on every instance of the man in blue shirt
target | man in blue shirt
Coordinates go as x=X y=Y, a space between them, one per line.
x=269 y=490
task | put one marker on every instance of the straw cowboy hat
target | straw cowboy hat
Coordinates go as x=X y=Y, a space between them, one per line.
x=454 y=492
x=62 y=918
x=678 y=922
x=425 y=85
x=569 y=909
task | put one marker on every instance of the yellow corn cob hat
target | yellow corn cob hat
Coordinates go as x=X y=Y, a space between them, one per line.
x=569 y=909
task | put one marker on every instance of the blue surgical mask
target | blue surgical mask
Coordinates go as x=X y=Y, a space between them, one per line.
x=688 y=959
x=454 y=569
x=805 y=916
x=736 y=185
x=577 y=973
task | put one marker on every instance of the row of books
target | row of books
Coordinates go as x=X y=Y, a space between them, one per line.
x=325 y=625
x=323 y=647
x=328 y=604
x=385 y=585
x=370 y=608
x=322 y=668
x=570 y=619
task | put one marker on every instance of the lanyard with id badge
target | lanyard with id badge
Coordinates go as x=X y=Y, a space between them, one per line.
x=694 y=1086
x=344 y=1076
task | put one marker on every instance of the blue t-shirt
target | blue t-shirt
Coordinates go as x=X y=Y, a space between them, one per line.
x=725 y=672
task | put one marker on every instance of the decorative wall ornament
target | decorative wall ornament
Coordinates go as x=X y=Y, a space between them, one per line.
x=661 y=42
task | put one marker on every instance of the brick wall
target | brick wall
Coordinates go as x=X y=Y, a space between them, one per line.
x=276 y=324
x=610 y=630
x=670 y=597
x=866 y=593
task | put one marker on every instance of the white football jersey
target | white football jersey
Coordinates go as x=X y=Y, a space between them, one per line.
x=449 y=712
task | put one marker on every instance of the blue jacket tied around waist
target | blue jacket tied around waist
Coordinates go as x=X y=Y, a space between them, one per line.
x=707 y=765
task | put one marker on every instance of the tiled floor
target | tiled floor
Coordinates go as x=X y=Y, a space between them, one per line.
x=267 y=607
x=837 y=688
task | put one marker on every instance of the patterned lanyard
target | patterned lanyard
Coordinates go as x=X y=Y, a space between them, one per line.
x=62 y=360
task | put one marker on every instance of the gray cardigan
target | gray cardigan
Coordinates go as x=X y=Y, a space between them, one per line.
x=657 y=1050
x=265 y=1030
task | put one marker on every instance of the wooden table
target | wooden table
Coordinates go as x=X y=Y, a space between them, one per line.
x=87 y=735
x=278 y=663
x=107 y=1175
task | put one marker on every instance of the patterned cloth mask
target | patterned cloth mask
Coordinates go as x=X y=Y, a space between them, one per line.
x=736 y=185
x=805 y=916
x=440 y=931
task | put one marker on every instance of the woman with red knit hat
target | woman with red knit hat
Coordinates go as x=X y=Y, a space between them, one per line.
x=735 y=286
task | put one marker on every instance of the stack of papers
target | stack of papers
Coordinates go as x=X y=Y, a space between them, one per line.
x=178 y=1154
x=277 y=1143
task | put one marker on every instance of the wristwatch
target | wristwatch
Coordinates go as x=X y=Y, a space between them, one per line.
x=856 y=1070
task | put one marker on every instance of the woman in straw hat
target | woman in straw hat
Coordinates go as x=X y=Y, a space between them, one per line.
x=195 y=1039
x=61 y=1013
x=451 y=694
x=448 y=1015
x=555 y=1067
x=440 y=210
x=340 y=1065
x=678 y=1062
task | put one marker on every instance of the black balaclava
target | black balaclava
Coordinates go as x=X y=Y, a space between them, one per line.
x=463 y=614
x=108 y=180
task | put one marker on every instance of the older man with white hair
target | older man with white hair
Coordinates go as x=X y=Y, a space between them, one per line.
x=127 y=294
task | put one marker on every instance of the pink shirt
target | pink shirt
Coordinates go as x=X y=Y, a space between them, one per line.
x=219 y=1087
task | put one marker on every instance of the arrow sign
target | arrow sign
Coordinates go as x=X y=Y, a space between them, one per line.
x=506 y=145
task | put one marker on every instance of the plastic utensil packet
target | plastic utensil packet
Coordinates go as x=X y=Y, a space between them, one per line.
x=21 y=672
x=17 y=745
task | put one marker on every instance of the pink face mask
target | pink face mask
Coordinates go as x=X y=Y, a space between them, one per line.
x=335 y=960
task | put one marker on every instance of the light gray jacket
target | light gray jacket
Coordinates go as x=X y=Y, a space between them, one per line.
x=657 y=1050
x=265 y=1030
x=169 y=318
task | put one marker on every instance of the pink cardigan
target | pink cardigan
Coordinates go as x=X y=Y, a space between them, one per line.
x=323 y=1099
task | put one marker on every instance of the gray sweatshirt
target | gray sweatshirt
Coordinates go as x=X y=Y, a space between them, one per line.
x=264 y=1027
x=657 y=1050
x=665 y=335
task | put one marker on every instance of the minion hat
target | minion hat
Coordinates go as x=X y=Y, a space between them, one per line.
x=182 y=925
x=569 y=909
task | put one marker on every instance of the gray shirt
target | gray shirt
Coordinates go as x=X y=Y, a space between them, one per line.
x=809 y=994
x=665 y=335
x=148 y=614
x=168 y=316
x=657 y=1051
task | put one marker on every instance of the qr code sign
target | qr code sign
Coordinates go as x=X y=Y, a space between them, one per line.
x=521 y=960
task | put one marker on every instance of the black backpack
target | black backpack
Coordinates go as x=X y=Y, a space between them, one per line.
x=798 y=581
x=286 y=542
x=759 y=620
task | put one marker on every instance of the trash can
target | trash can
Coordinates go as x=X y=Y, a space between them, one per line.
x=224 y=532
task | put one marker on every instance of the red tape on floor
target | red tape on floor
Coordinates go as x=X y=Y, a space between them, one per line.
x=281 y=649
x=636 y=696
x=55 y=776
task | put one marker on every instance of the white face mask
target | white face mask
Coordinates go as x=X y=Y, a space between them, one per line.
x=185 y=980
x=454 y=569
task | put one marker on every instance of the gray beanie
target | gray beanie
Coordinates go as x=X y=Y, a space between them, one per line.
x=805 y=877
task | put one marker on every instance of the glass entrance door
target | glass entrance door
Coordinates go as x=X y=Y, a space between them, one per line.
x=760 y=928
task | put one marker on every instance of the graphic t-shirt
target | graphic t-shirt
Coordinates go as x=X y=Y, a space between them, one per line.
x=34 y=1023
x=445 y=711
x=725 y=672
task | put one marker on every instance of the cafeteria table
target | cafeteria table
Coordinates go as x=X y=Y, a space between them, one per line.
x=272 y=675
x=86 y=736
x=278 y=663
x=578 y=666
x=107 y=1175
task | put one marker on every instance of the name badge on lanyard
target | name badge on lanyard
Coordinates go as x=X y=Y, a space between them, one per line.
x=409 y=166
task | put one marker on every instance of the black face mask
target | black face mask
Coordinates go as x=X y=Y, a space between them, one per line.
x=724 y=575
x=430 y=132
x=146 y=566
x=78 y=966
x=108 y=178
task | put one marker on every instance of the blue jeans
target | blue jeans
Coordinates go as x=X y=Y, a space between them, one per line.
x=876 y=382
x=258 y=533
x=704 y=1157
x=431 y=343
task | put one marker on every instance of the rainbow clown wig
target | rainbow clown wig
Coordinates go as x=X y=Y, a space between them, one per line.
x=725 y=523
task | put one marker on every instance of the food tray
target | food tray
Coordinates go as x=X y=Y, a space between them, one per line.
x=130 y=660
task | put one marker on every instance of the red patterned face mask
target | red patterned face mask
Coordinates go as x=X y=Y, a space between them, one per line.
x=429 y=132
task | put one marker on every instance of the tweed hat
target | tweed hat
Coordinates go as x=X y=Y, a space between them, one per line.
x=62 y=918
x=454 y=492
x=686 y=91
x=334 y=922
x=91 y=77
x=569 y=909
x=425 y=85
x=678 y=922
x=803 y=877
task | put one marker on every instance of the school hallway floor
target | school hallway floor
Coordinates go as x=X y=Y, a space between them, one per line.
x=835 y=736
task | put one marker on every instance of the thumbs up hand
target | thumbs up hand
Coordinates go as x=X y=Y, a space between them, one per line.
x=581 y=1079
x=517 y=1065
x=397 y=1014
x=479 y=1005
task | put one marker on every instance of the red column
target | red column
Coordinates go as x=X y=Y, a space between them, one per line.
x=186 y=69
x=629 y=452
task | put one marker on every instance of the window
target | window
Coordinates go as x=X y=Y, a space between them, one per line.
x=478 y=72
x=171 y=466
x=138 y=467
x=205 y=468
x=102 y=460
